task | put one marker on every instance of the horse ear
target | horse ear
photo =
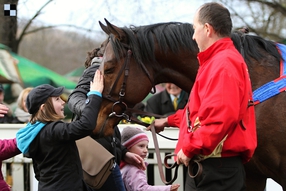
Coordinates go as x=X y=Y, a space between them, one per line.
x=116 y=31
x=104 y=28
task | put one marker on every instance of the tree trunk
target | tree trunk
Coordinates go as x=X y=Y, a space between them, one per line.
x=8 y=27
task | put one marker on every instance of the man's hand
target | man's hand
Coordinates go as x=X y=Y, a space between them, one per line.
x=182 y=158
x=159 y=125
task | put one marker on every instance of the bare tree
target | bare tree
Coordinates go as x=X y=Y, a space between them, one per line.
x=263 y=17
x=9 y=26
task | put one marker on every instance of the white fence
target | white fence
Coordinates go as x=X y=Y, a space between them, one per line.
x=19 y=170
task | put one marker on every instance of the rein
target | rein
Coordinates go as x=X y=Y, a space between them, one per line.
x=195 y=168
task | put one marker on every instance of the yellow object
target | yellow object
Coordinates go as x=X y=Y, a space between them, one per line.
x=146 y=119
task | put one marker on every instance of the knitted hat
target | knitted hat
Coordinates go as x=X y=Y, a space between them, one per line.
x=39 y=96
x=131 y=136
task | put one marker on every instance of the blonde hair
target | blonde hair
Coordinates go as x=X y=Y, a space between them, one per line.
x=22 y=98
x=47 y=114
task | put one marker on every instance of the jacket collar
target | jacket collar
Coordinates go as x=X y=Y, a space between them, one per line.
x=219 y=45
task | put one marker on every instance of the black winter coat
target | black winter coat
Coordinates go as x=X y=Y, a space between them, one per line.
x=54 y=152
x=76 y=103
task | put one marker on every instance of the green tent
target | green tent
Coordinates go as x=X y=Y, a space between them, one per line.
x=8 y=67
x=33 y=74
x=30 y=73
x=75 y=74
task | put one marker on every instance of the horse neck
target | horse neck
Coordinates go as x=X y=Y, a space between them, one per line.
x=180 y=69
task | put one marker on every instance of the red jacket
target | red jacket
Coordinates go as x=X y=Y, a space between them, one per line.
x=222 y=123
x=8 y=149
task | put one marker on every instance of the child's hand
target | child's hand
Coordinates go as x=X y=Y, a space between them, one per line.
x=97 y=83
x=175 y=187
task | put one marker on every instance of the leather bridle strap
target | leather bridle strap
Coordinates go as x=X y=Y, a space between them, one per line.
x=159 y=160
x=125 y=68
x=195 y=168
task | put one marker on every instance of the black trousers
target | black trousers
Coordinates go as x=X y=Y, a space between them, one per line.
x=219 y=174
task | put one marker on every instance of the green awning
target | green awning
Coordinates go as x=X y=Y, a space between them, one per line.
x=33 y=74
x=76 y=72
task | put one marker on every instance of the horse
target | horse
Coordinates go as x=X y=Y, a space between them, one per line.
x=135 y=59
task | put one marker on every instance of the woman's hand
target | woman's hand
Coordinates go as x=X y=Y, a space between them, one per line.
x=134 y=159
x=97 y=83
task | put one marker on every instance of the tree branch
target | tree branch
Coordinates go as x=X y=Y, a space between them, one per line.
x=54 y=26
x=242 y=19
x=276 y=6
x=23 y=33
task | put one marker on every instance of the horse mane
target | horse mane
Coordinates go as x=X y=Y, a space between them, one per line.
x=250 y=46
x=168 y=36
x=176 y=36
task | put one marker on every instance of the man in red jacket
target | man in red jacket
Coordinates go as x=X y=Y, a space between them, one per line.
x=217 y=126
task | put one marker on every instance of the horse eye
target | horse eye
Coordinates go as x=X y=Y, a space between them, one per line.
x=109 y=71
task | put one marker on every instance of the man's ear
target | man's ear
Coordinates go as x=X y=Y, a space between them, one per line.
x=209 y=29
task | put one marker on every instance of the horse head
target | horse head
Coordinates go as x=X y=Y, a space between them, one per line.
x=123 y=77
x=135 y=59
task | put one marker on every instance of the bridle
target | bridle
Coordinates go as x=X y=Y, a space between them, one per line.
x=120 y=102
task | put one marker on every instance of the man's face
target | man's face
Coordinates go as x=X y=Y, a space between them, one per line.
x=173 y=89
x=200 y=34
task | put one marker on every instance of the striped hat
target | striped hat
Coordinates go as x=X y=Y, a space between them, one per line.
x=131 y=136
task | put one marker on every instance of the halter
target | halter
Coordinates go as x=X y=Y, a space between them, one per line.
x=120 y=102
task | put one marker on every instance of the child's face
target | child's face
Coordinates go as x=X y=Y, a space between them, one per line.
x=58 y=104
x=141 y=149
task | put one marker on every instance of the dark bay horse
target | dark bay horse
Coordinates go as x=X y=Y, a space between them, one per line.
x=137 y=58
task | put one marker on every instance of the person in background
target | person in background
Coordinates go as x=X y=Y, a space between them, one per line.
x=51 y=142
x=217 y=126
x=21 y=114
x=137 y=142
x=113 y=144
x=167 y=101
x=8 y=117
x=8 y=149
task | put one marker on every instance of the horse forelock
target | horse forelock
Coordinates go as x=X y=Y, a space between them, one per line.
x=171 y=36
